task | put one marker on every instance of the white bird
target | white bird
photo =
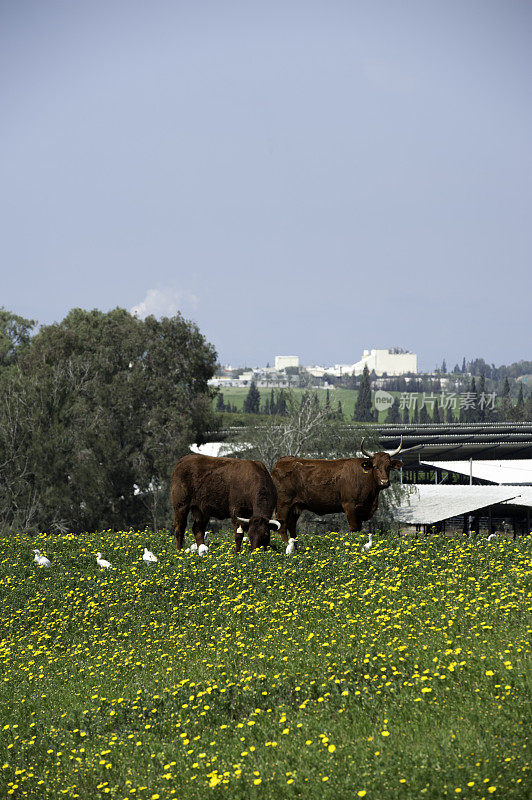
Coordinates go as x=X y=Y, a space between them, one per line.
x=203 y=550
x=41 y=560
x=290 y=547
x=240 y=529
x=193 y=547
x=491 y=536
x=148 y=556
x=369 y=544
x=245 y=538
x=102 y=562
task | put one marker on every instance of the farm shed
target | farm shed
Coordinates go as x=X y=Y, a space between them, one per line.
x=434 y=505
x=516 y=472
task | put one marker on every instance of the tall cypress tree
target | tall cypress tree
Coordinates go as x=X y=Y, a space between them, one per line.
x=363 y=411
x=252 y=400
x=520 y=407
x=406 y=415
x=220 y=405
x=393 y=415
x=482 y=413
x=339 y=410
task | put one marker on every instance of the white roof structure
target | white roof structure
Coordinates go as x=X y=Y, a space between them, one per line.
x=524 y=497
x=430 y=503
x=511 y=471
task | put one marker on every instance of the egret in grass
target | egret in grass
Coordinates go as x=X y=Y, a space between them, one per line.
x=290 y=547
x=203 y=550
x=369 y=544
x=148 y=556
x=491 y=536
x=41 y=560
x=102 y=562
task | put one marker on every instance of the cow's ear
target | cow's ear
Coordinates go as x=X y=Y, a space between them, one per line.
x=367 y=465
x=397 y=463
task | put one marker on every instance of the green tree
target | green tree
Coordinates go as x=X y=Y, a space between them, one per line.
x=15 y=333
x=506 y=409
x=363 y=411
x=220 y=405
x=406 y=415
x=111 y=403
x=520 y=406
x=424 y=415
x=282 y=407
x=393 y=414
x=252 y=400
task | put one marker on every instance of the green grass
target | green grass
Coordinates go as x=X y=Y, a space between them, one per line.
x=404 y=673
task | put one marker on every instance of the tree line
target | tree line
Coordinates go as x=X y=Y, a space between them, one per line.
x=94 y=412
x=475 y=404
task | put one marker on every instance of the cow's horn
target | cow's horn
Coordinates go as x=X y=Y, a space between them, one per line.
x=275 y=522
x=365 y=452
x=243 y=519
x=398 y=449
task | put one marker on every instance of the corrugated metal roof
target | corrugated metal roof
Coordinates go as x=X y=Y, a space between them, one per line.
x=430 y=503
x=516 y=471
x=524 y=498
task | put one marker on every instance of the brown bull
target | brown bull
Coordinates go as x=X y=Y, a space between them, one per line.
x=351 y=485
x=221 y=488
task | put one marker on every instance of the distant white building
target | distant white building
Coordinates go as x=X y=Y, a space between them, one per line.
x=392 y=361
x=282 y=362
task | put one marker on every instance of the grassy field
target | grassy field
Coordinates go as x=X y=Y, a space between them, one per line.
x=402 y=673
x=237 y=395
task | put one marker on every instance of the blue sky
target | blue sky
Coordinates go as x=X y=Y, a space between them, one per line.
x=310 y=178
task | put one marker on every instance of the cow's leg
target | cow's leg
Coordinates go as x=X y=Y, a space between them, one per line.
x=283 y=513
x=293 y=516
x=180 y=524
x=353 y=520
x=239 y=536
x=291 y=524
x=199 y=527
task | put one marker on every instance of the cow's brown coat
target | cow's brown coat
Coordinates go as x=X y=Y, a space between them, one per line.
x=221 y=488
x=351 y=485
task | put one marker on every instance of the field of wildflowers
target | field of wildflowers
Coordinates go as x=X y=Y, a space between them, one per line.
x=403 y=673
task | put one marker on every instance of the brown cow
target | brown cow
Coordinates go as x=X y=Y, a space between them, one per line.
x=351 y=485
x=221 y=488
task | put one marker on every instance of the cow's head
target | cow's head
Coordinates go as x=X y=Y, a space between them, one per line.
x=259 y=529
x=380 y=464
